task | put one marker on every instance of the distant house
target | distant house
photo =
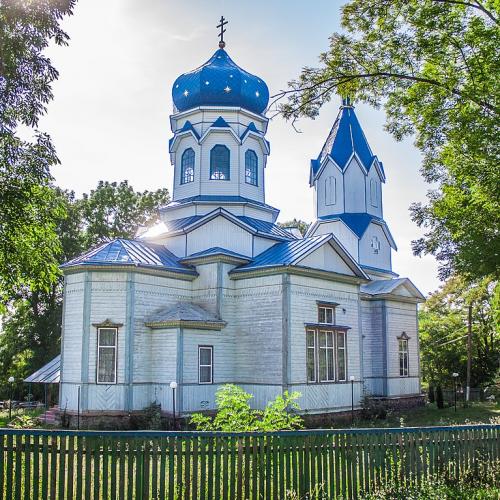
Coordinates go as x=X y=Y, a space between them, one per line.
x=218 y=293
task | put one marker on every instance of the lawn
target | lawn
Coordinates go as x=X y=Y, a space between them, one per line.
x=430 y=415
x=4 y=415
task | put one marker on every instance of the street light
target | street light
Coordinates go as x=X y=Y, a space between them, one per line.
x=11 y=382
x=455 y=375
x=351 y=378
x=173 y=386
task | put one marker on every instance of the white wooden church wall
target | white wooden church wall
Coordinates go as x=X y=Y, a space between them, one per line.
x=249 y=190
x=373 y=316
x=373 y=193
x=402 y=317
x=354 y=184
x=346 y=237
x=367 y=255
x=327 y=259
x=220 y=232
x=329 y=189
x=305 y=292
x=191 y=188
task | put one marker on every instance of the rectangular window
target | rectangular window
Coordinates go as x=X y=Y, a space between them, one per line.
x=326 y=315
x=311 y=355
x=106 y=355
x=206 y=364
x=403 y=358
x=341 y=357
x=326 y=359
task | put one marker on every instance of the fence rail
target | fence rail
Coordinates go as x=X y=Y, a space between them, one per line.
x=41 y=464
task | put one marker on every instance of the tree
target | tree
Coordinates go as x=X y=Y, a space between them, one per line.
x=33 y=318
x=235 y=415
x=433 y=65
x=443 y=332
x=28 y=205
x=301 y=225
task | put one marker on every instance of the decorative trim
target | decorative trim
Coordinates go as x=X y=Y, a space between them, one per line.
x=192 y=325
x=180 y=275
x=326 y=303
x=87 y=297
x=107 y=323
x=295 y=270
x=327 y=326
x=403 y=336
x=389 y=296
x=219 y=257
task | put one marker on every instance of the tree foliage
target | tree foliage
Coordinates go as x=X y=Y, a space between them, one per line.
x=301 y=225
x=434 y=66
x=28 y=205
x=443 y=332
x=31 y=327
x=234 y=413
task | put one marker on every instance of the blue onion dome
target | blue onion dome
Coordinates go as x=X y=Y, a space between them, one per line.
x=220 y=82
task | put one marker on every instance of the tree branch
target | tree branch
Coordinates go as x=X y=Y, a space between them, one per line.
x=476 y=5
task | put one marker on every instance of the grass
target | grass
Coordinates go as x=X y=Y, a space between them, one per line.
x=4 y=415
x=430 y=415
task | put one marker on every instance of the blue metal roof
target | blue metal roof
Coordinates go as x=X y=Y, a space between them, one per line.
x=47 y=374
x=217 y=199
x=220 y=123
x=285 y=253
x=345 y=138
x=265 y=227
x=216 y=251
x=179 y=224
x=220 y=82
x=359 y=222
x=187 y=127
x=131 y=252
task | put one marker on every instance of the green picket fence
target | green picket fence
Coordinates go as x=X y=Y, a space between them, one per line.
x=42 y=464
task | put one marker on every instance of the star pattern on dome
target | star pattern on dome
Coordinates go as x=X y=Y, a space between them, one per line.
x=220 y=82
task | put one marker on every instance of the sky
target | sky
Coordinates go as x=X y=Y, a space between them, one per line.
x=109 y=118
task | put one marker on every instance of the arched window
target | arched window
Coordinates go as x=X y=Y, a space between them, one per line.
x=187 y=166
x=373 y=193
x=219 y=163
x=251 y=167
x=330 y=190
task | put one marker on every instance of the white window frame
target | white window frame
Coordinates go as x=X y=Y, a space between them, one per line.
x=404 y=371
x=115 y=348
x=211 y=365
x=317 y=349
x=326 y=349
x=337 y=349
x=326 y=307
x=373 y=193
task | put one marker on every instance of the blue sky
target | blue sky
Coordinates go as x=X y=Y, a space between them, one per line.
x=110 y=115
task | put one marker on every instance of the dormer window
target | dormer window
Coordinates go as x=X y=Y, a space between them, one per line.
x=187 y=166
x=251 y=167
x=219 y=163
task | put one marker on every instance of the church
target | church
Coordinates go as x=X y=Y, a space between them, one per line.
x=217 y=292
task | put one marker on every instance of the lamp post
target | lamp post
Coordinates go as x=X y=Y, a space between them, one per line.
x=173 y=386
x=351 y=378
x=455 y=375
x=11 y=382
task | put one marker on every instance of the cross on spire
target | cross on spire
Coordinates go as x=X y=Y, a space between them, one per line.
x=223 y=22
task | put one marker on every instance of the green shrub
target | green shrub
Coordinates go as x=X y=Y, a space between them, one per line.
x=235 y=415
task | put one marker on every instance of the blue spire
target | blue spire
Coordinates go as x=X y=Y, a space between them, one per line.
x=345 y=138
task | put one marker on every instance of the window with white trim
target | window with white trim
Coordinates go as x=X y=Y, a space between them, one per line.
x=326 y=314
x=205 y=364
x=187 y=166
x=326 y=355
x=403 y=357
x=107 y=341
x=219 y=163
x=251 y=167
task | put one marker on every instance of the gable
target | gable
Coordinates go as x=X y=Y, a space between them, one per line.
x=220 y=232
x=327 y=259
